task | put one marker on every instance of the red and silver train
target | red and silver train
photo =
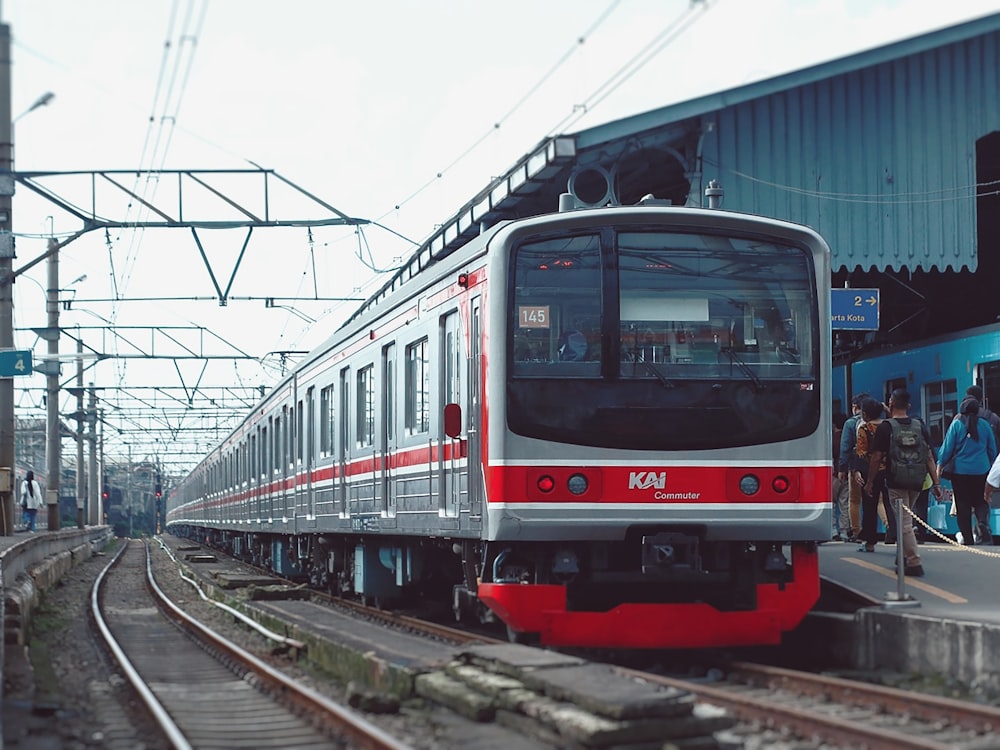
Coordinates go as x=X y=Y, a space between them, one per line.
x=605 y=427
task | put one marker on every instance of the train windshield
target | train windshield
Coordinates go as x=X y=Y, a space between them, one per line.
x=663 y=341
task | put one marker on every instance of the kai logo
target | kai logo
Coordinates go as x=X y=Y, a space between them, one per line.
x=647 y=480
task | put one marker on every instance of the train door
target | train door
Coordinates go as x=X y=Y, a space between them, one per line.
x=988 y=377
x=388 y=430
x=449 y=461
x=474 y=466
x=307 y=444
x=344 y=442
x=940 y=401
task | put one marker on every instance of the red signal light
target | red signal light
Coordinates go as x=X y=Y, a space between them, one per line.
x=546 y=483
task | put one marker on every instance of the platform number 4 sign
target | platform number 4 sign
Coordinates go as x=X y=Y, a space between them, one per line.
x=15 y=362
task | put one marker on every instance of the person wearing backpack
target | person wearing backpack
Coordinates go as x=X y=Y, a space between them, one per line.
x=875 y=496
x=971 y=447
x=905 y=444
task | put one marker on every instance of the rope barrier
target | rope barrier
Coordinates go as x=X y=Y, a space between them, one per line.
x=946 y=539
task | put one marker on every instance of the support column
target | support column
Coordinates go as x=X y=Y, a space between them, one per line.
x=53 y=453
x=81 y=475
x=7 y=499
x=94 y=514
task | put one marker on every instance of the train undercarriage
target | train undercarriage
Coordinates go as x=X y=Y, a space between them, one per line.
x=656 y=589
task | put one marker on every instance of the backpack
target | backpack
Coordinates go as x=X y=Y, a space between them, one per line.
x=907 y=455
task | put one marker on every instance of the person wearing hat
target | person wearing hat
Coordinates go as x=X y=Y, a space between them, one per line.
x=970 y=446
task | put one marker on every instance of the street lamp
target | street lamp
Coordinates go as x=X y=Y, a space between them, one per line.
x=41 y=101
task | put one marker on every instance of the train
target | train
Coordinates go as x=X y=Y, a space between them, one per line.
x=604 y=427
x=936 y=371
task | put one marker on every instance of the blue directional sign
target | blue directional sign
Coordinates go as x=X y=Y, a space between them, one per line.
x=854 y=309
x=15 y=362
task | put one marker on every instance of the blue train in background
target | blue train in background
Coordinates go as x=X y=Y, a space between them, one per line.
x=936 y=371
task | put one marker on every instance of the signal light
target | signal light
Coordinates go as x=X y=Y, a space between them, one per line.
x=546 y=483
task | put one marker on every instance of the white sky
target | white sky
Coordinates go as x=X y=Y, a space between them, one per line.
x=360 y=103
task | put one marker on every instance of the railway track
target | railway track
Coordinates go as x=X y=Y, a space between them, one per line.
x=845 y=713
x=202 y=690
x=776 y=704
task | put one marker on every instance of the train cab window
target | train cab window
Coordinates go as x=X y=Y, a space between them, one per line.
x=556 y=314
x=615 y=335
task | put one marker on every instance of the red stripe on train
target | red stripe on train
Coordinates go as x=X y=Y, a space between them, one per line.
x=645 y=484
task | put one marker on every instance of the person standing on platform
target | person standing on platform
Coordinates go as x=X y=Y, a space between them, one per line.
x=841 y=497
x=873 y=488
x=848 y=443
x=971 y=447
x=977 y=393
x=905 y=444
x=31 y=500
x=992 y=481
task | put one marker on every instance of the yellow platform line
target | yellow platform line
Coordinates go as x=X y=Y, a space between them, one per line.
x=911 y=582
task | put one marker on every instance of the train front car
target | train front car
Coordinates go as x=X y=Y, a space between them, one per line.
x=658 y=461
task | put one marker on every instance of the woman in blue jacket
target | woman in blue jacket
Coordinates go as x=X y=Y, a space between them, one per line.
x=970 y=444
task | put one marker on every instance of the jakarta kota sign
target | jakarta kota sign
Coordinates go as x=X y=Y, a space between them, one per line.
x=854 y=309
x=15 y=362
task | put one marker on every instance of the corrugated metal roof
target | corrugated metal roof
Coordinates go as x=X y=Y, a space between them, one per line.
x=876 y=150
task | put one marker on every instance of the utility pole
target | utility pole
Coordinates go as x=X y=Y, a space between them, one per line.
x=53 y=455
x=94 y=515
x=6 y=287
x=81 y=476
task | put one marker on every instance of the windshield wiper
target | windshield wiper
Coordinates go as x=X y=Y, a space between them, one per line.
x=747 y=369
x=664 y=380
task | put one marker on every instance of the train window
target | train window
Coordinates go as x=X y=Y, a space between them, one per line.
x=311 y=427
x=556 y=315
x=300 y=428
x=326 y=429
x=388 y=394
x=278 y=453
x=265 y=452
x=417 y=388
x=365 y=431
x=289 y=446
x=452 y=353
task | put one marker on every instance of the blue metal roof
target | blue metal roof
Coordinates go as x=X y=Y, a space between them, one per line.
x=876 y=150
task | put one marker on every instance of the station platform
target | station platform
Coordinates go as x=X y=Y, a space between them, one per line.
x=959 y=582
x=946 y=622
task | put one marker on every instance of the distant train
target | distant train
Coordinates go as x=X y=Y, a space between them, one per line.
x=606 y=427
x=936 y=372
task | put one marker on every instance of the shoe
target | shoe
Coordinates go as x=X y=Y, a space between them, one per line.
x=985 y=535
x=866 y=547
x=889 y=540
x=837 y=538
x=915 y=571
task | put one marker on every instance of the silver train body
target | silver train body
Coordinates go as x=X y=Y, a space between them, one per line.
x=575 y=422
